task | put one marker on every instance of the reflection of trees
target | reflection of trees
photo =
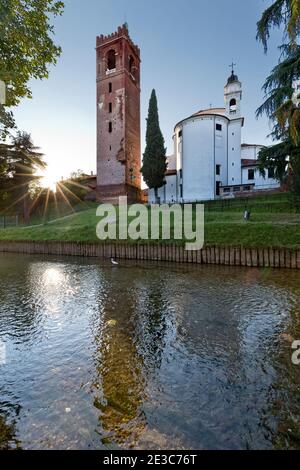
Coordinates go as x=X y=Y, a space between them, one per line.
x=18 y=290
x=282 y=416
x=7 y=435
x=151 y=322
x=286 y=398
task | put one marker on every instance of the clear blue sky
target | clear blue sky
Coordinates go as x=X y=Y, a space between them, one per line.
x=186 y=49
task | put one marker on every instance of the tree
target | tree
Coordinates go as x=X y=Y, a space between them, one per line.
x=284 y=13
x=26 y=49
x=278 y=88
x=23 y=160
x=279 y=104
x=154 y=158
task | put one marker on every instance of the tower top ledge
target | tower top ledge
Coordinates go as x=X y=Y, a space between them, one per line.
x=121 y=32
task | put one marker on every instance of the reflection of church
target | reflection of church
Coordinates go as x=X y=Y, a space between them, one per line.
x=209 y=160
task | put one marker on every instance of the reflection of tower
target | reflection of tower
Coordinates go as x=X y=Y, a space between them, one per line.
x=118 y=116
x=129 y=347
x=119 y=386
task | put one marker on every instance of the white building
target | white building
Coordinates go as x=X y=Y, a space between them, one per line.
x=209 y=160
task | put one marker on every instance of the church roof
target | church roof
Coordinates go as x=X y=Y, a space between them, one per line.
x=249 y=162
x=252 y=145
x=204 y=112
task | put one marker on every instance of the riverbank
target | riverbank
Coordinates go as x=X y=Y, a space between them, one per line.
x=266 y=229
x=216 y=255
x=270 y=238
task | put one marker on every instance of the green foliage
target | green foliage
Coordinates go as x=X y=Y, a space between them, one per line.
x=279 y=106
x=275 y=157
x=278 y=89
x=26 y=48
x=20 y=160
x=154 y=159
x=284 y=13
x=6 y=122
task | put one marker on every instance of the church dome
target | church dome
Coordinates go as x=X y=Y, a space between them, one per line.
x=233 y=78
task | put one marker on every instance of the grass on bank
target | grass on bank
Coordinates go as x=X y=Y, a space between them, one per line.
x=273 y=223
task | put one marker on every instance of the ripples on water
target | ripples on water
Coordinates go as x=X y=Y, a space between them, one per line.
x=156 y=356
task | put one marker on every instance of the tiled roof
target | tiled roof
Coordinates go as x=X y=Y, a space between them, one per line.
x=249 y=162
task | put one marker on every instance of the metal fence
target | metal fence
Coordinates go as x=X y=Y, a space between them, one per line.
x=9 y=221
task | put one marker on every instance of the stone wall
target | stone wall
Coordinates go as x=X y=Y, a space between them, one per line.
x=231 y=256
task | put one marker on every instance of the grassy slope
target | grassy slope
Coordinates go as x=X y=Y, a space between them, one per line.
x=271 y=225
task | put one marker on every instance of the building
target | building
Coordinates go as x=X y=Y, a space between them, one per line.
x=118 y=117
x=209 y=160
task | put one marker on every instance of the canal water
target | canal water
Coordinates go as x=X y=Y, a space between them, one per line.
x=147 y=355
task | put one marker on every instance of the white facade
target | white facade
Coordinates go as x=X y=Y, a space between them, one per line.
x=250 y=171
x=251 y=174
x=251 y=151
x=208 y=154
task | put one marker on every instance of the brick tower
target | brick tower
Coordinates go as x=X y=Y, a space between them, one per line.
x=118 y=117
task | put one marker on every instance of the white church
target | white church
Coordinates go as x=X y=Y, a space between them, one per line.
x=209 y=160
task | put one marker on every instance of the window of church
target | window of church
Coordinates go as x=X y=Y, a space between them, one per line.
x=250 y=175
x=271 y=173
x=218 y=127
x=110 y=87
x=110 y=127
x=218 y=170
x=180 y=134
x=110 y=107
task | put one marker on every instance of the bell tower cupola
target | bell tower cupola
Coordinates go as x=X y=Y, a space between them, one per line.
x=233 y=95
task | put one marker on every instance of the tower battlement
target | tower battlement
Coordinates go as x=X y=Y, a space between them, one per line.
x=122 y=31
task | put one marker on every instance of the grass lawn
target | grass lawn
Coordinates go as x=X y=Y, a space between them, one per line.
x=273 y=223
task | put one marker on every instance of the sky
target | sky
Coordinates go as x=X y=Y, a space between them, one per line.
x=186 y=49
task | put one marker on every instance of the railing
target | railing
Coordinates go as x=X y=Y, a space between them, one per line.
x=9 y=221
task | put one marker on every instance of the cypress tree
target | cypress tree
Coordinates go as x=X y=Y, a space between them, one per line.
x=154 y=158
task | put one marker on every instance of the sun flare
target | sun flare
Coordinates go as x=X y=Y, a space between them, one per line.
x=49 y=180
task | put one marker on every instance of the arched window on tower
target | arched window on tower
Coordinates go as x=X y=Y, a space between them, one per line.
x=232 y=105
x=111 y=59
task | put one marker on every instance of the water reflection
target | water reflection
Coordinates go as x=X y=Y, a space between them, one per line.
x=118 y=386
x=147 y=356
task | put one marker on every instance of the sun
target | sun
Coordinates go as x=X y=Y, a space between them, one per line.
x=49 y=180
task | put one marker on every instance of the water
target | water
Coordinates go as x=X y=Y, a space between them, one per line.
x=147 y=355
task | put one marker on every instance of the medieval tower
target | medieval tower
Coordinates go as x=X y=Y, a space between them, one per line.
x=118 y=117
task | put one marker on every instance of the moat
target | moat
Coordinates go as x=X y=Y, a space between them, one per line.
x=147 y=355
